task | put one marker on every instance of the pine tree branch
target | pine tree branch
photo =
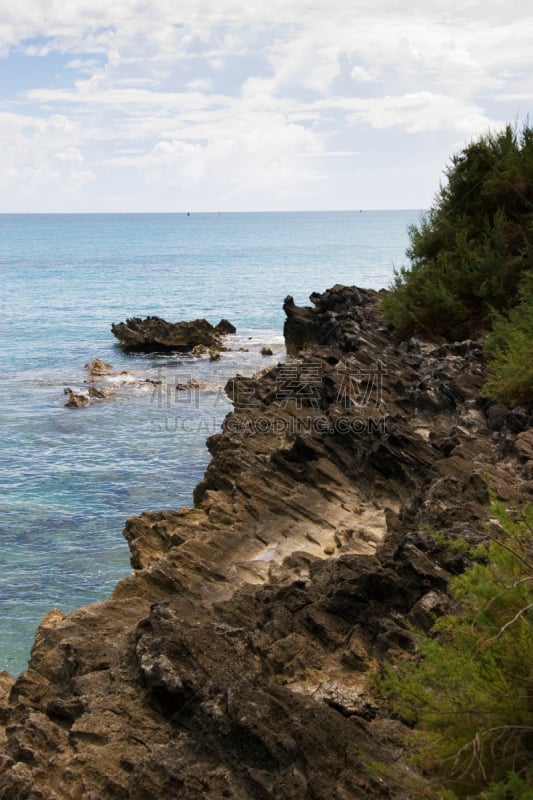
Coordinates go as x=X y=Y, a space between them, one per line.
x=511 y=622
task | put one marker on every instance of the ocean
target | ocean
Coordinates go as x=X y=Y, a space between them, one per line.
x=69 y=478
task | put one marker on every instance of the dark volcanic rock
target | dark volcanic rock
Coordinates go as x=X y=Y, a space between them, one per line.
x=225 y=327
x=238 y=659
x=154 y=333
x=299 y=329
x=340 y=316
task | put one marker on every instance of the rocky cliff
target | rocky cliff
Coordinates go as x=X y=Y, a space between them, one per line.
x=237 y=661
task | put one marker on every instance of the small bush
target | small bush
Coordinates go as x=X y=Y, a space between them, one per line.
x=510 y=350
x=469 y=694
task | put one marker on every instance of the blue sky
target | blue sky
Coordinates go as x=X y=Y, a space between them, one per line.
x=224 y=105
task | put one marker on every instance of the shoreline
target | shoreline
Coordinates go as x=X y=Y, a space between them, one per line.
x=237 y=660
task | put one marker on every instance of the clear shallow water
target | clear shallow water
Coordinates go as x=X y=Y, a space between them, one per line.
x=69 y=478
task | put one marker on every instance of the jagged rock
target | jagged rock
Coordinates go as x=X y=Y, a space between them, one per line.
x=192 y=383
x=426 y=610
x=98 y=369
x=105 y=382
x=225 y=327
x=299 y=329
x=100 y=392
x=75 y=399
x=154 y=333
x=340 y=316
x=238 y=659
x=6 y=684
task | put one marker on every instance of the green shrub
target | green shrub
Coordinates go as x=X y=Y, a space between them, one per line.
x=510 y=350
x=469 y=694
x=471 y=250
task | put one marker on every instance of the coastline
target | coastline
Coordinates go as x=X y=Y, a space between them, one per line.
x=238 y=658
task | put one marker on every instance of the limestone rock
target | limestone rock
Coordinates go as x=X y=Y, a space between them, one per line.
x=76 y=399
x=98 y=369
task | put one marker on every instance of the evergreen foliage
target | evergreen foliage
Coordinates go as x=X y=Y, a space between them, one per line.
x=471 y=251
x=510 y=348
x=469 y=694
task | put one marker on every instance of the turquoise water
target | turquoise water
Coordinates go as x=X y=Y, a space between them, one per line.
x=69 y=478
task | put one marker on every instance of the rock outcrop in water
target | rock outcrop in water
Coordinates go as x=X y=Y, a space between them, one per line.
x=237 y=660
x=154 y=333
x=104 y=381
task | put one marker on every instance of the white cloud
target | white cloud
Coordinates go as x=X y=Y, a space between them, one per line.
x=60 y=123
x=362 y=75
x=70 y=154
x=113 y=58
x=175 y=163
x=38 y=160
x=239 y=152
x=200 y=85
x=309 y=60
x=417 y=112
x=224 y=96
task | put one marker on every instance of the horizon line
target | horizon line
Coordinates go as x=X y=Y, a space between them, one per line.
x=216 y=213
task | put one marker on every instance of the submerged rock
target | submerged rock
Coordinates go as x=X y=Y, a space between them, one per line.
x=100 y=392
x=76 y=399
x=98 y=369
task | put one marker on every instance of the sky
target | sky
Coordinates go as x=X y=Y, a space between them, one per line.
x=219 y=105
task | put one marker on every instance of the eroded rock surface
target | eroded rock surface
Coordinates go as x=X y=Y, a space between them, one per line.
x=237 y=660
x=154 y=333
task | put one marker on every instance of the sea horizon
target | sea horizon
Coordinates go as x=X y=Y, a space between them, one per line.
x=215 y=211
